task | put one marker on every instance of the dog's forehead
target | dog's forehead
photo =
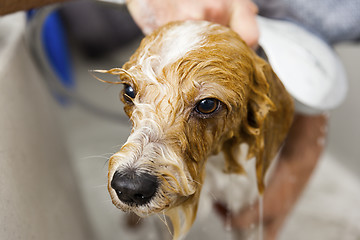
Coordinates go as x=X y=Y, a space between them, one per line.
x=171 y=43
x=179 y=40
x=176 y=59
x=174 y=41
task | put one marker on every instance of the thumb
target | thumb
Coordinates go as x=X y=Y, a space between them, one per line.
x=143 y=14
x=246 y=218
x=243 y=21
x=241 y=220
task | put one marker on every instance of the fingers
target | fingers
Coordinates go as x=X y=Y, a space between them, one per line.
x=243 y=220
x=151 y=14
x=249 y=218
x=243 y=21
x=240 y=15
x=143 y=14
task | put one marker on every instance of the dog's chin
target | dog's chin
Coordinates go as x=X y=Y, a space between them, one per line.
x=150 y=208
x=140 y=210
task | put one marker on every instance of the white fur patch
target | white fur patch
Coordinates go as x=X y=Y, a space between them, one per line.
x=172 y=46
x=180 y=40
x=235 y=191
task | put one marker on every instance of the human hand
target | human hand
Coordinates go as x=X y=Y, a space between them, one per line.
x=239 y=15
x=298 y=158
x=278 y=200
x=277 y=203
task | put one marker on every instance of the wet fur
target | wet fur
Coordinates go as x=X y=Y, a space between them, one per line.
x=170 y=140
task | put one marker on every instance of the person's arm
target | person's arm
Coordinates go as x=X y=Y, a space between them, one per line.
x=240 y=15
x=298 y=158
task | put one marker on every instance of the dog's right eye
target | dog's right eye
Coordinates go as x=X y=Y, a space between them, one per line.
x=129 y=93
x=207 y=106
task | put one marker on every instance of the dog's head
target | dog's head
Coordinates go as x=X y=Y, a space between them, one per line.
x=191 y=90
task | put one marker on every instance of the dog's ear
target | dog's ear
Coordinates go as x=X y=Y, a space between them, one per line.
x=269 y=117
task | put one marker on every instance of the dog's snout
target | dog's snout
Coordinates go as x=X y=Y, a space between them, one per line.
x=134 y=188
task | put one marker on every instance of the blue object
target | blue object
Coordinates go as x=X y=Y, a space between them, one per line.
x=56 y=49
x=30 y=14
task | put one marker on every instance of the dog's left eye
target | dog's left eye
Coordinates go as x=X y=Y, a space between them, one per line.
x=129 y=93
x=207 y=106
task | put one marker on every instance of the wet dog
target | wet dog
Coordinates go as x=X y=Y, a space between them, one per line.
x=191 y=90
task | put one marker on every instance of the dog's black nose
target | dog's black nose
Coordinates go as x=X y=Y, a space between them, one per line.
x=134 y=188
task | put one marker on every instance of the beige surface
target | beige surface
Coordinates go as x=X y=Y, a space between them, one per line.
x=38 y=191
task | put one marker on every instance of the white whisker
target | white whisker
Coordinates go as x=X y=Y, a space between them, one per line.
x=164 y=220
x=102 y=156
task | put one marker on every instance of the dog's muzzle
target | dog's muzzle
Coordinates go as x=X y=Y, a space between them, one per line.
x=134 y=188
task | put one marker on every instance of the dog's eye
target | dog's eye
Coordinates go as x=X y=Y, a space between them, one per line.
x=129 y=92
x=207 y=106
